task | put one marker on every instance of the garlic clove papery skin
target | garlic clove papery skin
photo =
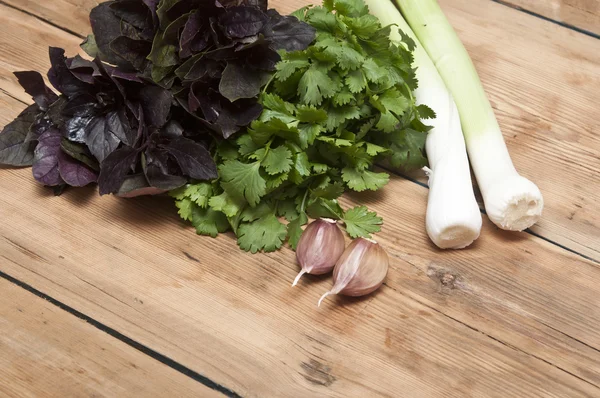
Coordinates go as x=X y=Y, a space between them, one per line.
x=320 y=246
x=361 y=269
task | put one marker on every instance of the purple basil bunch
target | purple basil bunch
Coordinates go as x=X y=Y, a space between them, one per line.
x=169 y=80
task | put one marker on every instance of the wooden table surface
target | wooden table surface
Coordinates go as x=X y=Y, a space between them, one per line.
x=109 y=297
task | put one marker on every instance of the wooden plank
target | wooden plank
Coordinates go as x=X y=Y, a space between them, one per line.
x=72 y=15
x=47 y=352
x=535 y=103
x=582 y=14
x=515 y=316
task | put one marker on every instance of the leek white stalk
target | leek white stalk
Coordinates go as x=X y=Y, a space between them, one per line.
x=453 y=217
x=512 y=202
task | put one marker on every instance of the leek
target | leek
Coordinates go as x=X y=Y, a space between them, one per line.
x=453 y=217
x=512 y=202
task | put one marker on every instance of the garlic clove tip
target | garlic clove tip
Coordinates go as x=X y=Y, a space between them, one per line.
x=323 y=297
x=298 y=277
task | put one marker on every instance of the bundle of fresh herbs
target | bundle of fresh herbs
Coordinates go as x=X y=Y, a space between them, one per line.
x=246 y=116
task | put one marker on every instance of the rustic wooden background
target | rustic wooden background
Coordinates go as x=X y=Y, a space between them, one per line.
x=108 y=297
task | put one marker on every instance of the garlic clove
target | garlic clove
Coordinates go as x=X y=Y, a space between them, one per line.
x=361 y=269
x=320 y=246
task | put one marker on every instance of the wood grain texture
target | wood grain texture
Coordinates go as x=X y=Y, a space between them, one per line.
x=47 y=352
x=512 y=316
x=583 y=14
x=72 y=15
x=548 y=114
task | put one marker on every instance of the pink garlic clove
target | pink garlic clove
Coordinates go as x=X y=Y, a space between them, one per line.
x=320 y=246
x=360 y=270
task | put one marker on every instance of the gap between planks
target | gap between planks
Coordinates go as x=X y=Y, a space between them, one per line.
x=121 y=337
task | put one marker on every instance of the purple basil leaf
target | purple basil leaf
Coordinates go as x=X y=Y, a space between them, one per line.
x=156 y=103
x=260 y=57
x=195 y=160
x=75 y=129
x=82 y=69
x=15 y=148
x=173 y=129
x=73 y=172
x=61 y=77
x=100 y=138
x=137 y=185
x=262 y=4
x=247 y=112
x=152 y=6
x=129 y=76
x=205 y=68
x=115 y=168
x=131 y=50
x=45 y=161
x=118 y=124
x=133 y=12
x=242 y=21
x=241 y=82
x=34 y=85
x=191 y=30
x=106 y=27
x=79 y=152
x=83 y=105
x=288 y=33
x=157 y=171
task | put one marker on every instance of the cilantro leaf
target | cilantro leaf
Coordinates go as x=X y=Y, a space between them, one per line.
x=278 y=160
x=315 y=85
x=295 y=230
x=346 y=57
x=360 y=222
x=247 y=145
x=243 y=181
x=338 y=115
x=373 y=72
x=276 y=103
x=197 y=193
x=274 y=182
x=301 y=168
x=254 y=213
x=287 y=209
x=356 y=81
x=307 y=133
x=425 y=112
x=226 y=204
x=310 y=114
x=185 y=208
x=266 y=234
x=327 y=208
x=362 y=180
x=209 y=222
x=290 y=65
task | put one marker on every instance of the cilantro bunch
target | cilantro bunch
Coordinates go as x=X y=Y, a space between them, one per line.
x=329 y=114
